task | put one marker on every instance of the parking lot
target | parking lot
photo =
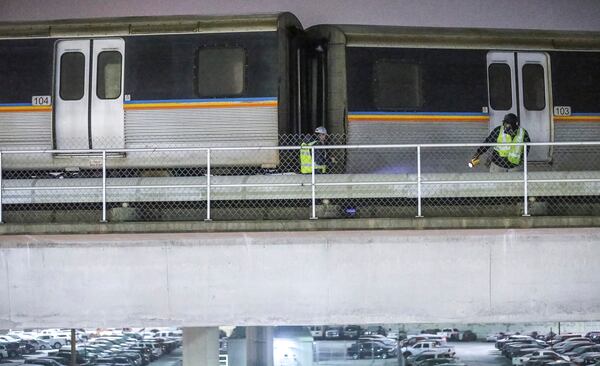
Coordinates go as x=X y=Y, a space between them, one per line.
x=480 y=354
x=333 y=353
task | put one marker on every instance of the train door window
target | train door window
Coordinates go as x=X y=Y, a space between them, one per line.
x=109 y=75
x=534 y=93
x=397 y=85
x=221 y=71
x=500 y=87
x=72 y=76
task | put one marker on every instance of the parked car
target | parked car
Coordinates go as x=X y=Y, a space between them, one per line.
x=43 y=361
x=12 y=347
x=521 y=360
x=43 y=344
x=392 y=334
x=26 y=347
x=562 y=337
x=55 y=342
x=374 y=329
x=527 y=349
x=589 y=358
x=424 y=346
x=510 y=339
x=451 y=334
x=133 y=356
x=510 y=348
x=427 y=355
x=377 y=338
x=116 y=361
x=469 y=336
x=594 y=336
x=3 y=352
x=578 y=351
x=333 y=332
x=414 y=339
x=316 y=331
x=351 y=331
x=371 y=350
x=570 y=346
x=437 y=361
x=544 y=359
x=157 y=350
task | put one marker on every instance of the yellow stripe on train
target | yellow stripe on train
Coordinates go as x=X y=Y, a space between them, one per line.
x=44 y=108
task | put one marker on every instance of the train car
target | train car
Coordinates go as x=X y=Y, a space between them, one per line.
x=403 y=85
x=148 y=83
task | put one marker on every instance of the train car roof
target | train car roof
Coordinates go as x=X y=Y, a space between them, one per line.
x=487 y=38
x=148 y=25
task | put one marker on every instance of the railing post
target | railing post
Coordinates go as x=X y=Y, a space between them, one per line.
x=419 y=213
x=313 y=192
x=207 y=186
x=103 y=185
x=1 y=189
x=525 y=188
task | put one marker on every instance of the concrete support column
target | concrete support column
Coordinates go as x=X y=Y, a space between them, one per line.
x=201 y=346
x=259 y=343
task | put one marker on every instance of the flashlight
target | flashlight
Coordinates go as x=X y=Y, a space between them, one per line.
x=473 y=163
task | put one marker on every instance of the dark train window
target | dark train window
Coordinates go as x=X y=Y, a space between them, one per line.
x=534 y=93
x=221 y=71
x=397 y=85
x=72 y=76
x=109 y=75
x=500 y=87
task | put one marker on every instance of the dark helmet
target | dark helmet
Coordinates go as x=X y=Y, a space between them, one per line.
x=512 y=121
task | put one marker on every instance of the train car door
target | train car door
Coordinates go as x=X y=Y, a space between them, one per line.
x=88 y=94
x=519 y=83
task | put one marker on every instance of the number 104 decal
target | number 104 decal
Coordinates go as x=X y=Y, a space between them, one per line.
x=41 y=100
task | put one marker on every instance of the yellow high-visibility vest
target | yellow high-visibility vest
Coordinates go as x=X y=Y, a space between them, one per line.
x=306 y=160
x=512 y=152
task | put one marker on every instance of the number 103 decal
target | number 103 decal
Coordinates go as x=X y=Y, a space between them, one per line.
x=562 y=111
x=41 y=100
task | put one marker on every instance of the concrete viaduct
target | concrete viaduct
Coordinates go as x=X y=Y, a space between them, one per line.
x=203 y=275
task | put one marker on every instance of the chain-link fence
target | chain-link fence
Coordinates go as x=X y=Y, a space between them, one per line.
x=334 y=180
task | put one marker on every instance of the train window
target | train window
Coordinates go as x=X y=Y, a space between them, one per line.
x=397 y=85
x=221 y=71
x=109 y=75
x=500 y=87
x=534 y=94
x=72 y=76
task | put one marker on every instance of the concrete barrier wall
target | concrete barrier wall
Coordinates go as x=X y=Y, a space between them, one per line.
x=337 y=277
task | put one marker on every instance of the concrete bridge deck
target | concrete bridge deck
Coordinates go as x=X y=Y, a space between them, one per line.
x=300 y=277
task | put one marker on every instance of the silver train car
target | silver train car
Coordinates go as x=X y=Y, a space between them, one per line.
x=187 y=82
x=147 y=83
x=403 y=85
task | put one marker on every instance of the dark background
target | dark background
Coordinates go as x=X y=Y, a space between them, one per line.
x=525 y=14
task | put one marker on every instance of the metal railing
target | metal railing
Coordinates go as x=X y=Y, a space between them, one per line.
x=415 y=179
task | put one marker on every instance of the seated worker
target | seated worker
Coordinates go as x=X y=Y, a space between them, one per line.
x=505 y=158
x=322 y=159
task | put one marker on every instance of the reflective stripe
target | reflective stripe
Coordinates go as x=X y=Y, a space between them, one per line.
x=512 y=153
x=306 y=160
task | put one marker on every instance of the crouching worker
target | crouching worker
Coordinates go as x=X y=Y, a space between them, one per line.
x=322 y=159
x=505 y=158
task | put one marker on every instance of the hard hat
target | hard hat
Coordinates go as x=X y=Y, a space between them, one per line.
x=321 y=130
x=512 y=120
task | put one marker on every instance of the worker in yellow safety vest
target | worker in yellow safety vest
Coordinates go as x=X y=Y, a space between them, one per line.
x=505 y=158
x=322 y=158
